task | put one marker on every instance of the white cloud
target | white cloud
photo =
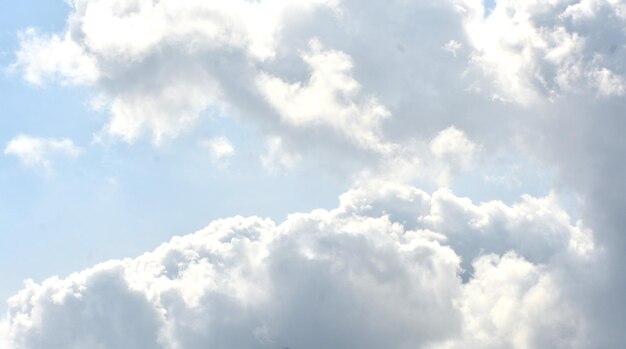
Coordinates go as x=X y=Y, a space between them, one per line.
x=446 y=155
x=34 y=151
x=511 y=303
x=537 y=49
x=277 y=157
x=607 y=82
x=330 y=97
x=219 y=148
x=454 y=151
x=159 y=64
x=352 y=276
x=452 y=144
x=536 y=228
x=4 y=334
x=245 y=282
x=44 y=56
x=544 y=79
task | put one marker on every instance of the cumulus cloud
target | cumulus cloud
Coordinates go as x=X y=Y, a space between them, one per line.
x=439 y=159
x=454 y=151
x=44 y=56
x=4 y=334
x=376 y=271
x=328 y=98
x=379 y=83
x=511 y=303
x=219 y=148
x=160 y=64
x=33 y=151
x=277 y=157
x=537 y=49
x=538 y=229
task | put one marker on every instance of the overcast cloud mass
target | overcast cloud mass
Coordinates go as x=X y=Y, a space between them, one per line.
x=413 y=103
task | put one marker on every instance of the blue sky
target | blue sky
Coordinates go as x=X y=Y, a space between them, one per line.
x=454 y=169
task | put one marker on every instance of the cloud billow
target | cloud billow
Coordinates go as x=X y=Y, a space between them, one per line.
x=346 y=277
x=412 y=91
x=40 y=152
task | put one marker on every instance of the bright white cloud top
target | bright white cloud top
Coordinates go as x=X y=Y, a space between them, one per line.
x=396 y=96
x=348 y=276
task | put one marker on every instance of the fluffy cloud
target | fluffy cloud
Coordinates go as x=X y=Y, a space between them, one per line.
x=160 y=64
x=277 y=157
x=511 y=303
x=373 y=82
x=376 y=271
x=562 y=61
x=328 y=98
x=298 y=80
x=250 y=60
x=34 y=151
x=538 y=229
x=454 y=151
x=219 y=148
x=537 y=49
x=42 y=56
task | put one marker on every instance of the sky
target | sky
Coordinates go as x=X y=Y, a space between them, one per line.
x=319 y=173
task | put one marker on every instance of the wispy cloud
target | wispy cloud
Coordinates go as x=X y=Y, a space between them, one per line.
x=219 y=148
x=33 y=151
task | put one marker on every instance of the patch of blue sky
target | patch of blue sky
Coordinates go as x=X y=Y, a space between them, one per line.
x=489 y=6
x=507 y=178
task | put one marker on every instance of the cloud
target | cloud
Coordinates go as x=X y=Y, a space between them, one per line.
x=34 y=151
x=536 y=50
x=352 y=276
x=4 y=334
x=315 y=90
x=511 y=303
x=454 y=151
x=277 y=157
x=43 y=56
x=160 y=64
x=452 y=47
x=328 y=98
x=219 y=148
x=439 y=159
x=538 y=229
x=541 y=82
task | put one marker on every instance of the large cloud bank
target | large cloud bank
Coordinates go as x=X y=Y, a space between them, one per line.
x=408 y=91
x=354 y=276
